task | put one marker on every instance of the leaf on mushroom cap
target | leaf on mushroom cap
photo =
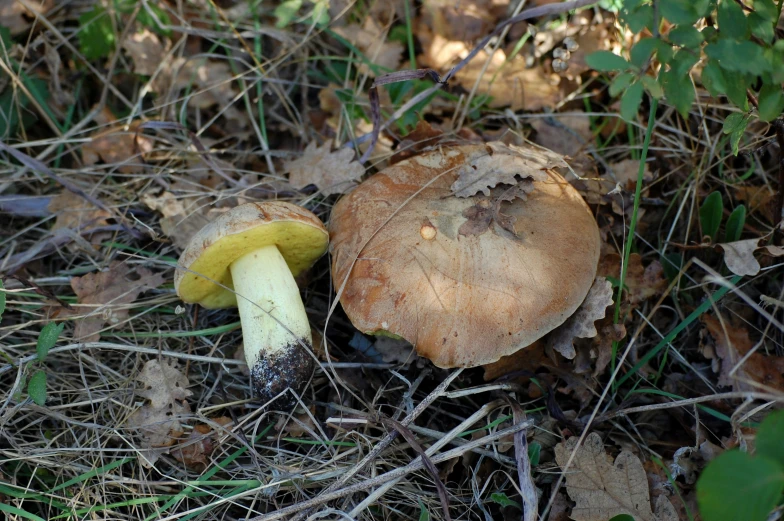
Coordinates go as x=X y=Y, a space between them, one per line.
x=581 y=323
x=503 y=164
x=405 y=261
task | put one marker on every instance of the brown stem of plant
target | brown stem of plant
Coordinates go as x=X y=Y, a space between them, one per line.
x=777 y=235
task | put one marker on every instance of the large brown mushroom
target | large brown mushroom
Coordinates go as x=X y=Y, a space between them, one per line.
x=468 y=279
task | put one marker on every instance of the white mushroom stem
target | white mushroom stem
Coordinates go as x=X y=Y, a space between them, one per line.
x=271 y=311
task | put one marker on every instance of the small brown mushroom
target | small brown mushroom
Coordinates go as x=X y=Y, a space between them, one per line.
x=248 y=258
x=467 y=280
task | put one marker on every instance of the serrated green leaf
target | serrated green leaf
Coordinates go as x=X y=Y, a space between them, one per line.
x=642 y=51
x=735 y=126
x=771 y=102
x=736 y=486
x=769 y=438
x=664 y=51
x=713 y=78
x=746 y=56
x=678 y=12
x=683 y=61
x=651 y=84
x=620 y=82
x=502 y=499
x=96 y=35
x=36 y=388
x=732 y=21
x=285 y=12
x=736 y=85
x=761 y=27
x=735 y=223
x=48 y=338
x=637 y=17
x=678 y=90
x=630 y=101
x=685 y=35
x=605 y=61
x=711 y=213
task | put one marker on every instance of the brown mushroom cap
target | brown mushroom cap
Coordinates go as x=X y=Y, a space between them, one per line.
x=400 y=266
x=299 y=235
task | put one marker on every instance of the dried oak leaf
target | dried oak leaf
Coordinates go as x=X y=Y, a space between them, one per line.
x=370 y=39
x=17 y=18
x=194 y=451
x=642 y=282
x=603 y=489
x=725 y=345
x=104 y=296
x=581 y=323
x=423 y=136
x=158 y=422
x=146 y=51
x=116 y=145
x=332 y=172
x=525 y=361
x=627 y=171
x=78 y=214
x=504 y=164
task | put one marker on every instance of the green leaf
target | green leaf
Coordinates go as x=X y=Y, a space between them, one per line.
x=678 y=12
x=664 y=51
x=36 y=389
x=732 y=21
x=642 y=51
x=605 y=61
x=686 y=35
x=769 y=438
x=5 y=38
x=672 y=264
x=735 y=126
x=154 y=18
x=286 y=11
x=771 y=102
x=735 y=486
x=761 y=27
x=424 y=514
x=503 y=500
x=622 y=517
x=679 y=91
x=534 y=453
x=637 y=18
x=630 y=101
x=651 y=84
x=96 y=35
x=710 y=215
x=736 y=85
x=620 y=82
x=713 y=78
x=745 y=56
x=48 y=338
x=735 y=223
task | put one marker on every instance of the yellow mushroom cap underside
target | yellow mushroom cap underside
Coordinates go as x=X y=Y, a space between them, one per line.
x=299 y=235
x=401 y=266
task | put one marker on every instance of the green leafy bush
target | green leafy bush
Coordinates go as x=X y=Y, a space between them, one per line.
x=733 y=49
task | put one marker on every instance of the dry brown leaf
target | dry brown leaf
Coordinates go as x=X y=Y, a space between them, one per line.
x=17 y=18
x=394 y=351
x=104 y=294
x=466 y=20
x=603 y=489
x=567 y=135
x=423 y=136
x=299 y=425
x=642 y=283
x=146 y=51
x=117 y=146
x=165 y=202
x=626 y=173
x=726 y=347
x=159 y=421
x=739 y=256
x=581 y=323
x=525 y=361
x=504 y=164
x=758 y=199
x=77 y=213
x=332 y=172
x=370 y=38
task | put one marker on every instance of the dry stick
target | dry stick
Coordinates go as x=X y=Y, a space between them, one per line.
x=383 y=478
x=387 y=441
x=394 y=77
x=527 y=488
x=692 y=401
x=442 y=440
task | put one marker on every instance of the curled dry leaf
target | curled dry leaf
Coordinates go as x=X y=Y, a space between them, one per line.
x=17 y=18
x=739 y=256
x=642 y=282
x=158 y=422
x=117 y=146
x=581 y=323
x=332 y=172
x=725 y=344
x=604 y=489
x=78 y=214
x=104 y=295
x=194 y=451
x=627 y=171
x=502 y=165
